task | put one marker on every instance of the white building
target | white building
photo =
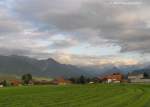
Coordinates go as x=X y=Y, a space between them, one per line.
x=137 y=78
x=132 y=76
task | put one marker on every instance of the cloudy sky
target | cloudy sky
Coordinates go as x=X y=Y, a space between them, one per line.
x=88 y=32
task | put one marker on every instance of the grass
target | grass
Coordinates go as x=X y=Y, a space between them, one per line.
x=95 y=95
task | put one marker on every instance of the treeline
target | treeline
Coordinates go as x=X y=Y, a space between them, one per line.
x=84 y=80
x=27 y=79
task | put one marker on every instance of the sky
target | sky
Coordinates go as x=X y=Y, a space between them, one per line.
x=79 y=32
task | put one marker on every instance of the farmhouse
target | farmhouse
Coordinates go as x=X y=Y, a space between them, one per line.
x=137 y=78
x=15 y=82
x=113 y=78
x=60 y=81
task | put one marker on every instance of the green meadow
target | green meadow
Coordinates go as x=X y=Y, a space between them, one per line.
x=94 y=95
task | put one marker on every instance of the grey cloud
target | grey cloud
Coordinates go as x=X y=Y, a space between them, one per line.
x=7 y=23
x=7 y=27
x=87 y=21
x=25 y=52
x=61 y=44
x=12 y=51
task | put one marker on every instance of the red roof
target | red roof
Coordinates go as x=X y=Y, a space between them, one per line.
x=114 y=76
x=15 y=82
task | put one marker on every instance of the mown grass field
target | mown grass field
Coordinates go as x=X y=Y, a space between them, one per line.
x=95 y=95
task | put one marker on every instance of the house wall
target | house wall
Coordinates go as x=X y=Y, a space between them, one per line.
x=140 y=81
x=139 y=76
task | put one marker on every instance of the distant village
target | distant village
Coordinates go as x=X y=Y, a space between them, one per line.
x=27 y=80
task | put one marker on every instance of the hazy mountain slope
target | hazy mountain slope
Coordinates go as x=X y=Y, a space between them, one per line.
x=101 y=70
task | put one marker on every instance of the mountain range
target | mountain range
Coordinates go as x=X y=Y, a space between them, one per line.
x=19 y=65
